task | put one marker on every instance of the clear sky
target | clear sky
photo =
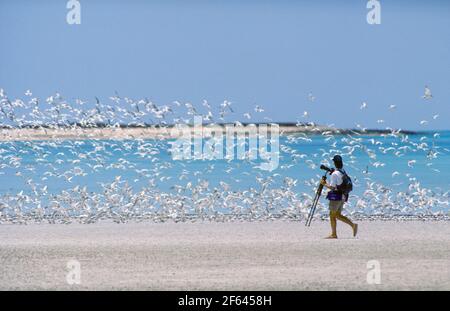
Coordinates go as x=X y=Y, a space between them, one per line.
x=270 y=53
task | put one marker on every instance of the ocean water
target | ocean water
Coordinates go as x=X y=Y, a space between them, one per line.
x=87 y=180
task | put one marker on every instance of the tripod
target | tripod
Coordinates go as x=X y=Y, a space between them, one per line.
x=315 y=201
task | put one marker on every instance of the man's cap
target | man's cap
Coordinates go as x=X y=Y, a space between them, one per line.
x=337 y=158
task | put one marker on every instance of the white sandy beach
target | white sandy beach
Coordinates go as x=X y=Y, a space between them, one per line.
x=30 y=134
x=225 y=256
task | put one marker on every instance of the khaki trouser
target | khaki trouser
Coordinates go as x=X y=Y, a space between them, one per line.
x=336 y=206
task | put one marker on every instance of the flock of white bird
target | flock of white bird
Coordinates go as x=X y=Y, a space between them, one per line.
x=190 y=195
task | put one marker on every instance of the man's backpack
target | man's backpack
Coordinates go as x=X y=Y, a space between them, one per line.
x=347 y=186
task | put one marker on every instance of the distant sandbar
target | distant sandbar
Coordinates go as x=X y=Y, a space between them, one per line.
x=165 y=132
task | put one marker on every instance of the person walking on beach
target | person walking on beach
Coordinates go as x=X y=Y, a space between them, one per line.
x=337 y=197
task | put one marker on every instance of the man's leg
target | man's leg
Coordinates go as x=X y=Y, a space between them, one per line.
x=344 y=219
x=347 y=221
x=333 y=225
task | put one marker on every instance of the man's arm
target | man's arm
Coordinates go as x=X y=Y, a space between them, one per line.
x=324 y=182
x=330 y=186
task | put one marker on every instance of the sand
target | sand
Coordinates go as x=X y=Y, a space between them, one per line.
x=31 y=134
x=278 y=255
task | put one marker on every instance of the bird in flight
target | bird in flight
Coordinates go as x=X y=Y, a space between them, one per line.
x=427 y=94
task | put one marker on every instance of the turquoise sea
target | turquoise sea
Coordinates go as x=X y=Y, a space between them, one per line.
x=93 y=179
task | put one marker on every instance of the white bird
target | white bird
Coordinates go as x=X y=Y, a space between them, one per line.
x=205 y=104
x=395 y=174
x=427 y=94
x=258 y=109
x=411 y=163
x=363 y=105
x=198 y=194
x=391 y=107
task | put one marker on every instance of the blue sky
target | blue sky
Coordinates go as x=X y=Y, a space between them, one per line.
x=270 y=53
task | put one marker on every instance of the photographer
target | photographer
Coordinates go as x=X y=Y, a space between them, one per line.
x=337 y=197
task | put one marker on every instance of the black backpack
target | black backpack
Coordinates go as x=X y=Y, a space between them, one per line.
x=347 y=186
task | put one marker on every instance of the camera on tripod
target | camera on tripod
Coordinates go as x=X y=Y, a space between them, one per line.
x=318 y=194
x=326 y=168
